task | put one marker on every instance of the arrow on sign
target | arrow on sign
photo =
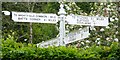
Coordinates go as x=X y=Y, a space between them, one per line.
x=34 y=17
x=87 y=20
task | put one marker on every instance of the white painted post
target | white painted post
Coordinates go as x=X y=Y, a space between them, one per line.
x=62 y=23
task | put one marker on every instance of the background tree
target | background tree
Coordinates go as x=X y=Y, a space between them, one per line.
x=99 y=35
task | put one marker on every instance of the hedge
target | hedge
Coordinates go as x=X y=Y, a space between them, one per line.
x=12 y=50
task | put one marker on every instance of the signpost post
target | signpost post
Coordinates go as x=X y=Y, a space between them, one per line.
x=62 y=23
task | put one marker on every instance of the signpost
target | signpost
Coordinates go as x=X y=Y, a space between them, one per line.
x=34 y=17
x=53 y=18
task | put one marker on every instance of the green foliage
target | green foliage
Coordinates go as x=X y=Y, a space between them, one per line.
x=41 y=33
x=12 y=50
x=85 y=6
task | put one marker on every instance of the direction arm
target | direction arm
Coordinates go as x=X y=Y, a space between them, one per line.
x=6 y=12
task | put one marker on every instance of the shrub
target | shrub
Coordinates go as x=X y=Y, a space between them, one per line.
x=12 y=50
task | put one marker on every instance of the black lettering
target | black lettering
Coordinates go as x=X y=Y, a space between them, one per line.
x=20 y=18
x=15 y=14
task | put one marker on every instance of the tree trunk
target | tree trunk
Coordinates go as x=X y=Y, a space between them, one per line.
x=31 y=10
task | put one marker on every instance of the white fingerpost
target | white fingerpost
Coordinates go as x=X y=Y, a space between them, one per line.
x=62 y=23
